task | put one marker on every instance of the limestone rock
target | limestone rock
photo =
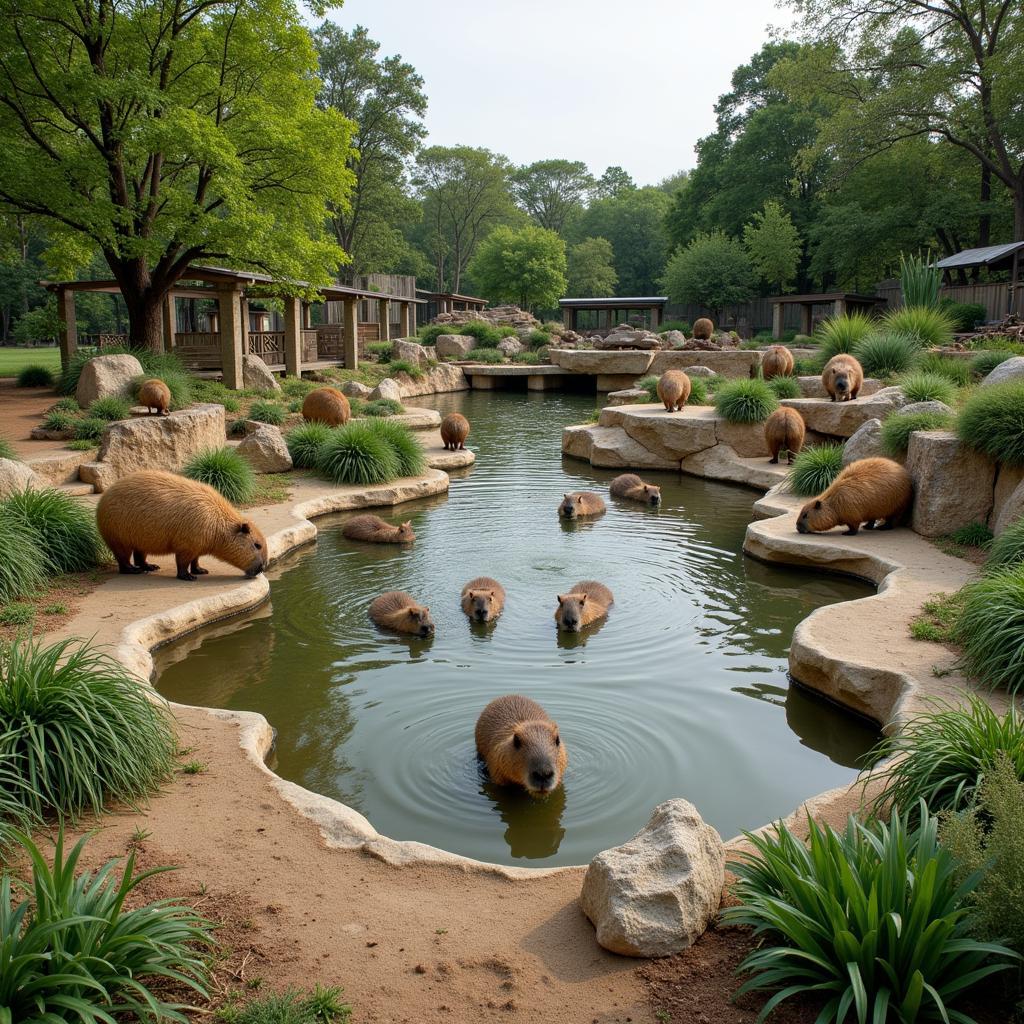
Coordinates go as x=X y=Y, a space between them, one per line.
x=264 y=449
x=1008 y=507
x=607 y=363
x=353 y=389
x=410 y=352
x=657 y=894
x=952 y=483
x=734 y=363
x=723 y=463
x=454 y=346
x=699 y=371
x=674 y=339
x=509 y=347
x=811 y=387
x=842 y=419
x=1012 y=369
x=256 y=375
x=938 y=408
x=107 y=377
x=387 y=388
x=891 y=395
x=669 y=436
x=864 y=443
x=439 y=379
x=746 y=439
x=624 y=337
x=629 y=396
x=16 y=476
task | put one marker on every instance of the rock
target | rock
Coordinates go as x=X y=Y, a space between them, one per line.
x=723 y=463
x=627 y=338
x=657 y=894
x=674 y=339
x=1009 y=509
x=700 y=371
x=437 y=380
x=1012 y=369
x=734 y=363
x=107 y=377
x=864 y=443
x=411 y=352
x=353 y=389
x=628 y=397
x=509 y=347
x=606 y=363
x=811 y=387
x=387 y=388
x=893 y=396
x=669 y=436
x=454 y=346
x=952 y=483
x=256 y=375
x=841 y=419
x=264 y=449
x=16 y=476
x=937 y=408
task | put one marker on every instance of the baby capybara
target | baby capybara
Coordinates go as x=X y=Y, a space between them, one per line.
x=674 y=389
x=454 y=431
x=483 y=599
x=587 y=602
x=867 y=490
x=777 y=362
x=326 y=405
x=703 y=328
x=520 y=745
x=153 y=512
x=784 y=430
x=155 y=395
x=399 y=611
x=843 y=377
x=631 y=487
x=581 y=503
x=374 y=530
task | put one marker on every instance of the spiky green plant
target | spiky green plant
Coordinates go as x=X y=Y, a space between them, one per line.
x=487 y=335
x=698 y=391
x=304 y=443
x=404 y=366
x=34 y=376
x=321 y=1006
x=59 y=419
x=991 y=629
x=7 y=450
x=929 y=326
x=650 y=385
x=842 y=333
x=408 y=451
x=814 y=469
x=382 y=407
x=486 y=355
x=1007 y=549
x=357 y=454
x=920 y=281
x=225 y=471
x=956 y=370
x=429 y=333
x=538 y=338
x=992 y=421
x=267 y=412
x=785 y=387
x=63 y=530
x=22 y=565
x=84 y=444
x=887 y=354
x=90 y=428
x=380 y=349
x=110 y=408
x=896 y=429
x=531 y=358
x=921 y=386
x=745 y=401
x=987 y=360
x=297 y=387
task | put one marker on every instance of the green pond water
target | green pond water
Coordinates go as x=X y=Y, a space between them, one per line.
x=682 y=691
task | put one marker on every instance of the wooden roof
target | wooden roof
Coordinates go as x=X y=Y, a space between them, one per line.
x=633 y=302
x=827 y=297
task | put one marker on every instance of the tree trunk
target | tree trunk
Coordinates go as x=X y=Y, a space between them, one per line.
x=985 y=218
x=1018 y=211
x=145 y=320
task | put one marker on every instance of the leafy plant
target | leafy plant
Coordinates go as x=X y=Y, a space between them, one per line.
x=357 y=454
x=533 y=358
x=991 y=628
x=921 y=386
x=919 y=281
x=650 y=385
x=62 y=529
x=429 y=333
x=987 y=360
x=321 y=1006
x=267 y=412
x=380 y=349
x=966 y=316
x=34 y=376
x=22 y=566
x=59 y=419
x=83 y=445
x=886 y=355
x=17 y=613
x=7 y=450
x=382 y=407
x=408 y=451
x=842 y=333
x=896 y=429
x=992 y=421
x=297 y=387
x=928 y=325
x=110 y=408
x=487 y=335
x=89 y=429
x=973 y=535
x=698 y=391
x=537 y=338
x=745 y=401
x=486 y=355
x=814 y=469
x=304 y=443
x=237 y=428
x=404 y=366
x=683 y=326
x=956 y=370
x=810 y=367
x=224 y=470
x=785 y=387
x=1007 y=549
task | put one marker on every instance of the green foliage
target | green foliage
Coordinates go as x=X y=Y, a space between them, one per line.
x=225 y=471
x=811 y=367
x=992 y=421
x=888 y=354
x=712 y=271
x=684 y=326
x=62 y=529
x=34 y=376
x=429 y=333
x=552 y=192
x=267 y=412
x=321 y=1006
x=110 y=409
x=304 y=443
x=407 y=450
x=90 y=428
x=537 y=338
x=973 y=535
x=843 y=333
x=785 y=387
x=404 y=366
x=956 y=370
x=922 y=386
x=896 y=429
x=357 y=454
x=486 y=355
x=698 y=391
x=966 y=316
x=531 y=358
x=296 y=387
x=486 y=334
x=178 y=381
x=991 y=629
x=525 y=265
x=590 y=268
x=214 y=392
x=1008 y=548
x=66 y=404
x=380 y=349
x=83 y=445
x=773 y=243
x=987 y=360
x=7 y=450
x=872 y=919
x=236 y=428
x=939 y=619
x=59 y=419
x=930 y=326
x=16 y=614
x=650 y=385
x=745 y=401
x=382 y=407
x=814 y=469
x=919 y=281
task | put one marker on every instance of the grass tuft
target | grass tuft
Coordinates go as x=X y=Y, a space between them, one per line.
x=842 y=333
x=111 y=408
x=922 y=386
x=986 y=361
x=304 y=443
x=22 y=565
x=404 y=366
x=267 y=412
x=225 y=471
x=59 y=419
x=886 y=355
x=814 y=469
x=991 y=629
x=357 y=454
x=956 y=370
x=62 y=529
x=785 y=387
x=408 y=451
x=382 y=407
x=321 y=1006
x=929 y=326
x=992 y=421
x=1007 y=549
x=7 y=450
x=896 y=429
x=34 y=376
x=745 y=401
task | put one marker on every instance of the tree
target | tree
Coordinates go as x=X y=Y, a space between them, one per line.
x=713 y=271
x=384 y=98
x=613 y=183
x=523 y=265
x=774 y=245
x=551 y=191
x=590 y=269
x=167 y=133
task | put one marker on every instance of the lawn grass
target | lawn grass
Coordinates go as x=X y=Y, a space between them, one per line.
x=13 y=360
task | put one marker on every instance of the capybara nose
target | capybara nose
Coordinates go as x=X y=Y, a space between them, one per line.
x=481 y=615
x=800 y=527
x=656 y=499
x=426 y=630
x=542 y=779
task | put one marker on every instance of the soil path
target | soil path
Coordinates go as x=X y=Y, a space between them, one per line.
x=21 y=409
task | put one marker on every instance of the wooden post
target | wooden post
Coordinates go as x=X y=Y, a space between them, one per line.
x=567 y=318
x=778 y=317
x=805 y=317
x=1014 y=283
x=654 y=317
x=384 y=318
x=170 y=322
x=350 y=329
x=68 y=327
x=293 y=319
x=839 y=307
x=405 y=311
x=232 y=336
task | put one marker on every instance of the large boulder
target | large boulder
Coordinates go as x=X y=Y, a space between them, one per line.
x=844 y=419
x=864 y=443
x=107 y=377
x=256 y=375
x=669 y=436
x=1011 y=369
x=354 y=389
x=387 y=388
x=454 y=346
x=657 y=894
x=952 y=483
x=608 y=363
x=626 y=337
x=674 y=339
x=509 y=347
x=437 y=380
x=1008 y=505
x=264 y=449
x=410 y=352
x=16 y=476
x=628 y=396
x=932 y=407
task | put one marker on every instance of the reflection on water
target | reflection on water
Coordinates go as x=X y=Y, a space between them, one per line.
x=681 y=691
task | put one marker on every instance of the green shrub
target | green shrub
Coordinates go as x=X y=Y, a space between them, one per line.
x=486 y=355
x=896 y=429
x=973 y=535
x=965 y=316
x=872 y=919
x=236 y=428
x=83 y=444
x=991 y=628
x=987 y=360
x=380 y=349
x=487 y=335
x=225 y=471
x=815 y=468
x=298 y=387
x=267 y=412
x=71 y=950
x=34 y=376
x=920 y=281
x=537 y=338
x=956 y=370
x=163 y=365
x=928 y=325
x=886 y=355
x=650 y=385
x=749 y=345
x=295 y=405
x=809 y=367
x=408 y=451
x=921 y=386
x=382 y=407
x=529 y=358
x=698 y=391
x=304 y=443
x=745 y=401
x=111 y=408
x=89 y=429
x=66 y=404
x=63 y=530
x=7 y=450
x=785 y=387
x=1008 y=548
x=357 y=454
x=428 y=333
x=397 y=366
x=321 y=1006
x=22 y=565
x=16 y=614
x=59 y=419
x=992 y=421
x=842 y=333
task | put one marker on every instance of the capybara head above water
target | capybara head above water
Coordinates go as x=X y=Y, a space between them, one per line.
x=155 y=395
x=632 y=488
x=777 y=361
x=399 y=611
x=581 y=503
x=866 y=491
x=326 y=405
x=585 y=603
x=843 y=377
x=375 y=530
x=703 y=328
x=521 y=745
x=483 y=599
x=454 y=431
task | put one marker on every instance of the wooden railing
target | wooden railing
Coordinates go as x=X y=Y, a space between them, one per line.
x=268 y=345
x=199 y=350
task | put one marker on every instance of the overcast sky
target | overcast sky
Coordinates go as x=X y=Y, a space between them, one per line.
x=628 y=82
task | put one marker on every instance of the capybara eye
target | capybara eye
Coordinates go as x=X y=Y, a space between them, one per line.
x=259 y=546
x=558 y=741
x=516 y=741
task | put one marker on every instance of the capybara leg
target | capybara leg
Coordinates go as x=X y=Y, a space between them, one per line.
x=774 y=460
x=183 y=563
x=197 y=569
x=139 y=558
x=854 y=394
x=462 y=446
x=869 y=525
x=124 y=564
x=890 y=523
x=852 y=530
x=789 y=457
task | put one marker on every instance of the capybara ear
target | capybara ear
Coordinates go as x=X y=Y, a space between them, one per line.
x=565 y=495
x=817 y=504
x=407 y=523
x=561 y=598
x=243 y=527
x=491 y=592
x=579 y=499
x=583 y=598
x=517 y=741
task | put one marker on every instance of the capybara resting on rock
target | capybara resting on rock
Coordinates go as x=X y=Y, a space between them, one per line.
x=373 y=529
x=587 y=602
x=483 y=599
x=776 y=362
x=520 y=744
x=581 y=503
x=326 y=405
x=784 y=430
x=153 y=512
x=674 y=389
x=155 y=395
x=399 y=611
x=843 y=378
x=454 y=431
x=703 y=328
x=867 y=490
x=630 y=486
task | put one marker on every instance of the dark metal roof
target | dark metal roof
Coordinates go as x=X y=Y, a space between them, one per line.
x=985 y=256
x=827 y=297
x=635 y=302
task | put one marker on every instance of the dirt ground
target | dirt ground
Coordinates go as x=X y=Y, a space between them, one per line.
x=21 y=409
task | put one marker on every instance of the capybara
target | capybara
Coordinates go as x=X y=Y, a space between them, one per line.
x=454 y=431
x=326 y=405
x=866 y=490
x=630 y=486
x=703 y=328
x=155 y=395
x=587 y=602
x=674 y=389
x=398 y=611
x=483 y=599
x=153 y=512
x=373 y=529
x=520 y=744
x=784 y=430
x=843 y=377
x=777 y=361
x=581 y=503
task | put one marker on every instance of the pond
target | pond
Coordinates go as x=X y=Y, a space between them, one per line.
x=682 y=691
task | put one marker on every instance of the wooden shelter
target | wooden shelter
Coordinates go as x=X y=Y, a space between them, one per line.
x=448 y=302
x=652 y=305
x=1008 y=257
x=839 y=304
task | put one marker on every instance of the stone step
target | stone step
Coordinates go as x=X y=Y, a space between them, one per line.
x=59 y=466
x=844 y=419
x=76 y=490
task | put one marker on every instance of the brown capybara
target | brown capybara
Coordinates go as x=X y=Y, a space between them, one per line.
x=373 y=529
x=674 y=389
x=777 y=361
x=587 y=602
x=867 y=490
x=703 y=328
x=520 y=745
x=784 y=430
x=483 y=599
x=454 y=431
x=155 y=395
x=843 y=377
x=153 y=512
x=398 y=611
x=581 y=503
x=631 y=487
x=326 y=405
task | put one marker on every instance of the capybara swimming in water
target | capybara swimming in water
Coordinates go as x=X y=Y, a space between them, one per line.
x=776 y=362
x=153 y=512
x=866 y=490
x=630 y=486
x=843 y=377
x=784 y=430
x=399 y=611
x=581 y=503
x=454 y=431
x=155 y=395
x=674 y=389
x=326 y=405
x=587 y=602
x=703 y=328
x=520 y=744
x=483 y=599
x=373 y=529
